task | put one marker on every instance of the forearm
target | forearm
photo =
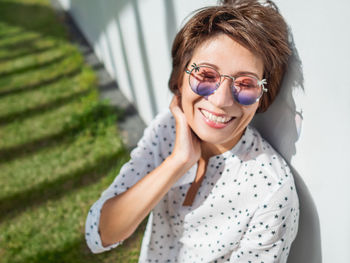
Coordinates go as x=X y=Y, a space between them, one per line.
x=121 y=214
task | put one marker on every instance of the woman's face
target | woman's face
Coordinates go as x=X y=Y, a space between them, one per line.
x=229 y=58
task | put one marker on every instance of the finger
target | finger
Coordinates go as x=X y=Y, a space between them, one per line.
x=175 y=105
x=173 y=102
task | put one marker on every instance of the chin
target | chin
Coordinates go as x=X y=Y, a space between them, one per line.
x=213 y=138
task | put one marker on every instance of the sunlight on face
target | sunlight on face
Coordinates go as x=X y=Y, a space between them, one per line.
x=219 y=121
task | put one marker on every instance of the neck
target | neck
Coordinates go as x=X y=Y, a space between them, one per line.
x=209 y=149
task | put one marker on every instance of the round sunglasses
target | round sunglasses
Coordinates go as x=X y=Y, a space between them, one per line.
x=205 y=80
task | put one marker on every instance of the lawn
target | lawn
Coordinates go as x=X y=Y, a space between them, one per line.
x=59 y=145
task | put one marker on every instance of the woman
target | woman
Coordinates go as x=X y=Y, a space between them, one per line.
x=216 y=190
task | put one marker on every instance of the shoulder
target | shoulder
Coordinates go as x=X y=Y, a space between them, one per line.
x=159 y=135
x=266 y=167
x=262 y=157
x=270 y=174
x=163 y=126
x=164 y=121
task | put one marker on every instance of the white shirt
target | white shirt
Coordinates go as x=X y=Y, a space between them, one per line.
x=246 y=209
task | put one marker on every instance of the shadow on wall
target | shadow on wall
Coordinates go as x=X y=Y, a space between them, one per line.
x=281 y=126
x=100 y=36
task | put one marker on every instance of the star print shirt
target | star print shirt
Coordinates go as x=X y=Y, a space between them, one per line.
x=246 y=209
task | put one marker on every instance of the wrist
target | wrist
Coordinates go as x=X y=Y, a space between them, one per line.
x=180 y=162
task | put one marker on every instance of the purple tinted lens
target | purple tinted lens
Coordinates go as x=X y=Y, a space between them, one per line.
x=244 y=98
x=204 y=81
x=246 y=90
x=205 y=89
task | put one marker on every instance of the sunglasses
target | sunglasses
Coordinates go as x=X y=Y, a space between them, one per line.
x=205 y=80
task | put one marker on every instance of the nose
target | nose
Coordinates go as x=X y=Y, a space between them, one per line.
x=222 y=97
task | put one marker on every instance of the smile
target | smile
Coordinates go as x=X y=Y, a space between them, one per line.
x=216 y=121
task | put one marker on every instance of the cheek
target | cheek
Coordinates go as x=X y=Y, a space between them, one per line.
x=186 y=103
x=182 y=90
x=182 y=83
x=185 y=92
x=189 y=101
x=249 y=112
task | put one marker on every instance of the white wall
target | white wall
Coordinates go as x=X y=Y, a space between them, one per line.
x=322 y=37
x=133 y=39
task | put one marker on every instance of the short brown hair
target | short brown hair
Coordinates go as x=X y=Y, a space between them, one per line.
x=258 y=27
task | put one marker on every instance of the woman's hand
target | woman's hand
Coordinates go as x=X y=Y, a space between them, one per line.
x=187 y=147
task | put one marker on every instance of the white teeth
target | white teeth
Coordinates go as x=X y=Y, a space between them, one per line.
x=215 y=118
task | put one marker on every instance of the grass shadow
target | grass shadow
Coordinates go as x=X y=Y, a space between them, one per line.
x=26 y=52
x=40 y=109
x=14 y=33
x=23 y=42
x=13 y=205
x=41 y=83
x=34 y=66
x=88 y=120
x=35 y=22
x=42 y=18
x=78 y=252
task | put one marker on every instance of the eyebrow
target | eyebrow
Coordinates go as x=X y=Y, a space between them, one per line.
x=237 y=73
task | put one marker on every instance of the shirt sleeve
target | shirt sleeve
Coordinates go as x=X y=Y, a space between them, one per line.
x=272 y=229
x=144 y=158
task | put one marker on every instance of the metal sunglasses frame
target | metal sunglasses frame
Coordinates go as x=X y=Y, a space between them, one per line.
x=196 y=67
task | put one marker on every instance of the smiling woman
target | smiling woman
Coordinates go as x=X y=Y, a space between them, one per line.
x=216 y=190
x=202 y=114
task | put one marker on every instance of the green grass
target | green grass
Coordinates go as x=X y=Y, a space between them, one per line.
x=59 y=145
